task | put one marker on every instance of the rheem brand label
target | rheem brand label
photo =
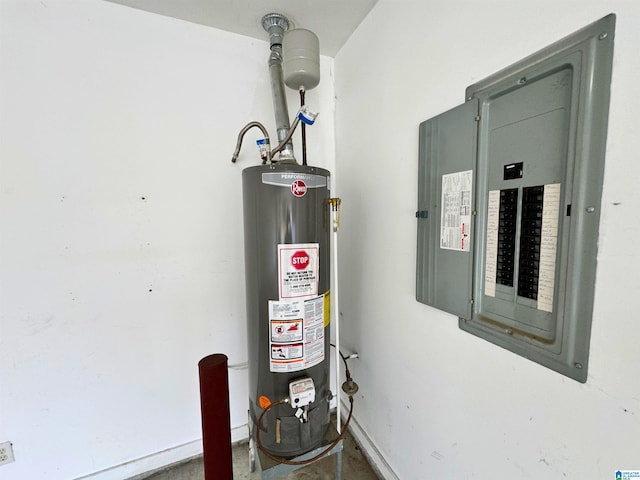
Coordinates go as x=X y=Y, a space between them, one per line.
x=298 y=188
x=298 y=270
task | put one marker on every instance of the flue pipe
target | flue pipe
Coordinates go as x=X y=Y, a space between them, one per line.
x=276 y=25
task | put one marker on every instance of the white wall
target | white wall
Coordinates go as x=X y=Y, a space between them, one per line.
x=435 y=401
x=121 y=257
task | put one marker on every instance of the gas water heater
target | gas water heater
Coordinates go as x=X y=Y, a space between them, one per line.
x=287 y=266
x=287 y=282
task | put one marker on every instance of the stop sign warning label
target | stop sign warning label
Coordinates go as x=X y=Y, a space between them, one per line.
x=300 y=260
x=298 y=270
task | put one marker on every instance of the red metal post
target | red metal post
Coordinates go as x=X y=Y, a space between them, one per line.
x=216 y=424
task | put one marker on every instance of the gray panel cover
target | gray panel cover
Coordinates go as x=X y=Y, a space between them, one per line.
x=447 y=145
x=555 y=105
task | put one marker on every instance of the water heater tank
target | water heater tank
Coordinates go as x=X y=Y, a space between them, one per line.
x=301 y=65
x=287 y=267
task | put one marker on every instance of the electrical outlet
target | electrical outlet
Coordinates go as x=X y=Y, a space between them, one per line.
x=6 y=453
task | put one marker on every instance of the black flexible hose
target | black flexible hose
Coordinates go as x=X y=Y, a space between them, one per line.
x=344 y=360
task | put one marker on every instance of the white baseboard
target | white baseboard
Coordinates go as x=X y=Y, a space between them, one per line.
x=159 y=460
x=369 y=449
x=240 y=434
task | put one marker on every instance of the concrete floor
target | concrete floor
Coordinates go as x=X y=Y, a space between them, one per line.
x=354 y=467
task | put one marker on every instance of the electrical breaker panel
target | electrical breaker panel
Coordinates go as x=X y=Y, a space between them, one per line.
x=509 y=200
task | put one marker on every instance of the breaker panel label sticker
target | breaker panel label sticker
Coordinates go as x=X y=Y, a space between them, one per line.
x=491 y=254
x=548 y=246
x=298 y=270
x=296 y=334
x=455 y=214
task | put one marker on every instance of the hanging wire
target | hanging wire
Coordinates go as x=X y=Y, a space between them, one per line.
x=304 y=129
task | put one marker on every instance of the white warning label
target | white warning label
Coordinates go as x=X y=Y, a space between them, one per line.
x=455 y=214
x=297 y=334
x=313 y=331
x=298 y=270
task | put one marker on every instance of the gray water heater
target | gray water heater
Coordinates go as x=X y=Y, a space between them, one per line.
x=287 y=270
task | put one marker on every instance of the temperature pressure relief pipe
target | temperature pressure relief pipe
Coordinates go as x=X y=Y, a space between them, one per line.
x=335 y=212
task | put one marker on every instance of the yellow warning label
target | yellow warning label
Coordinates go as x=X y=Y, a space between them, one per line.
x=327 y=308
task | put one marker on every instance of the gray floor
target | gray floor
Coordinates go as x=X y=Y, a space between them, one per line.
x=354 y=467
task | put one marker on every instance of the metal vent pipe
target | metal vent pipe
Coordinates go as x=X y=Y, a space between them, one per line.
x=276 y=25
